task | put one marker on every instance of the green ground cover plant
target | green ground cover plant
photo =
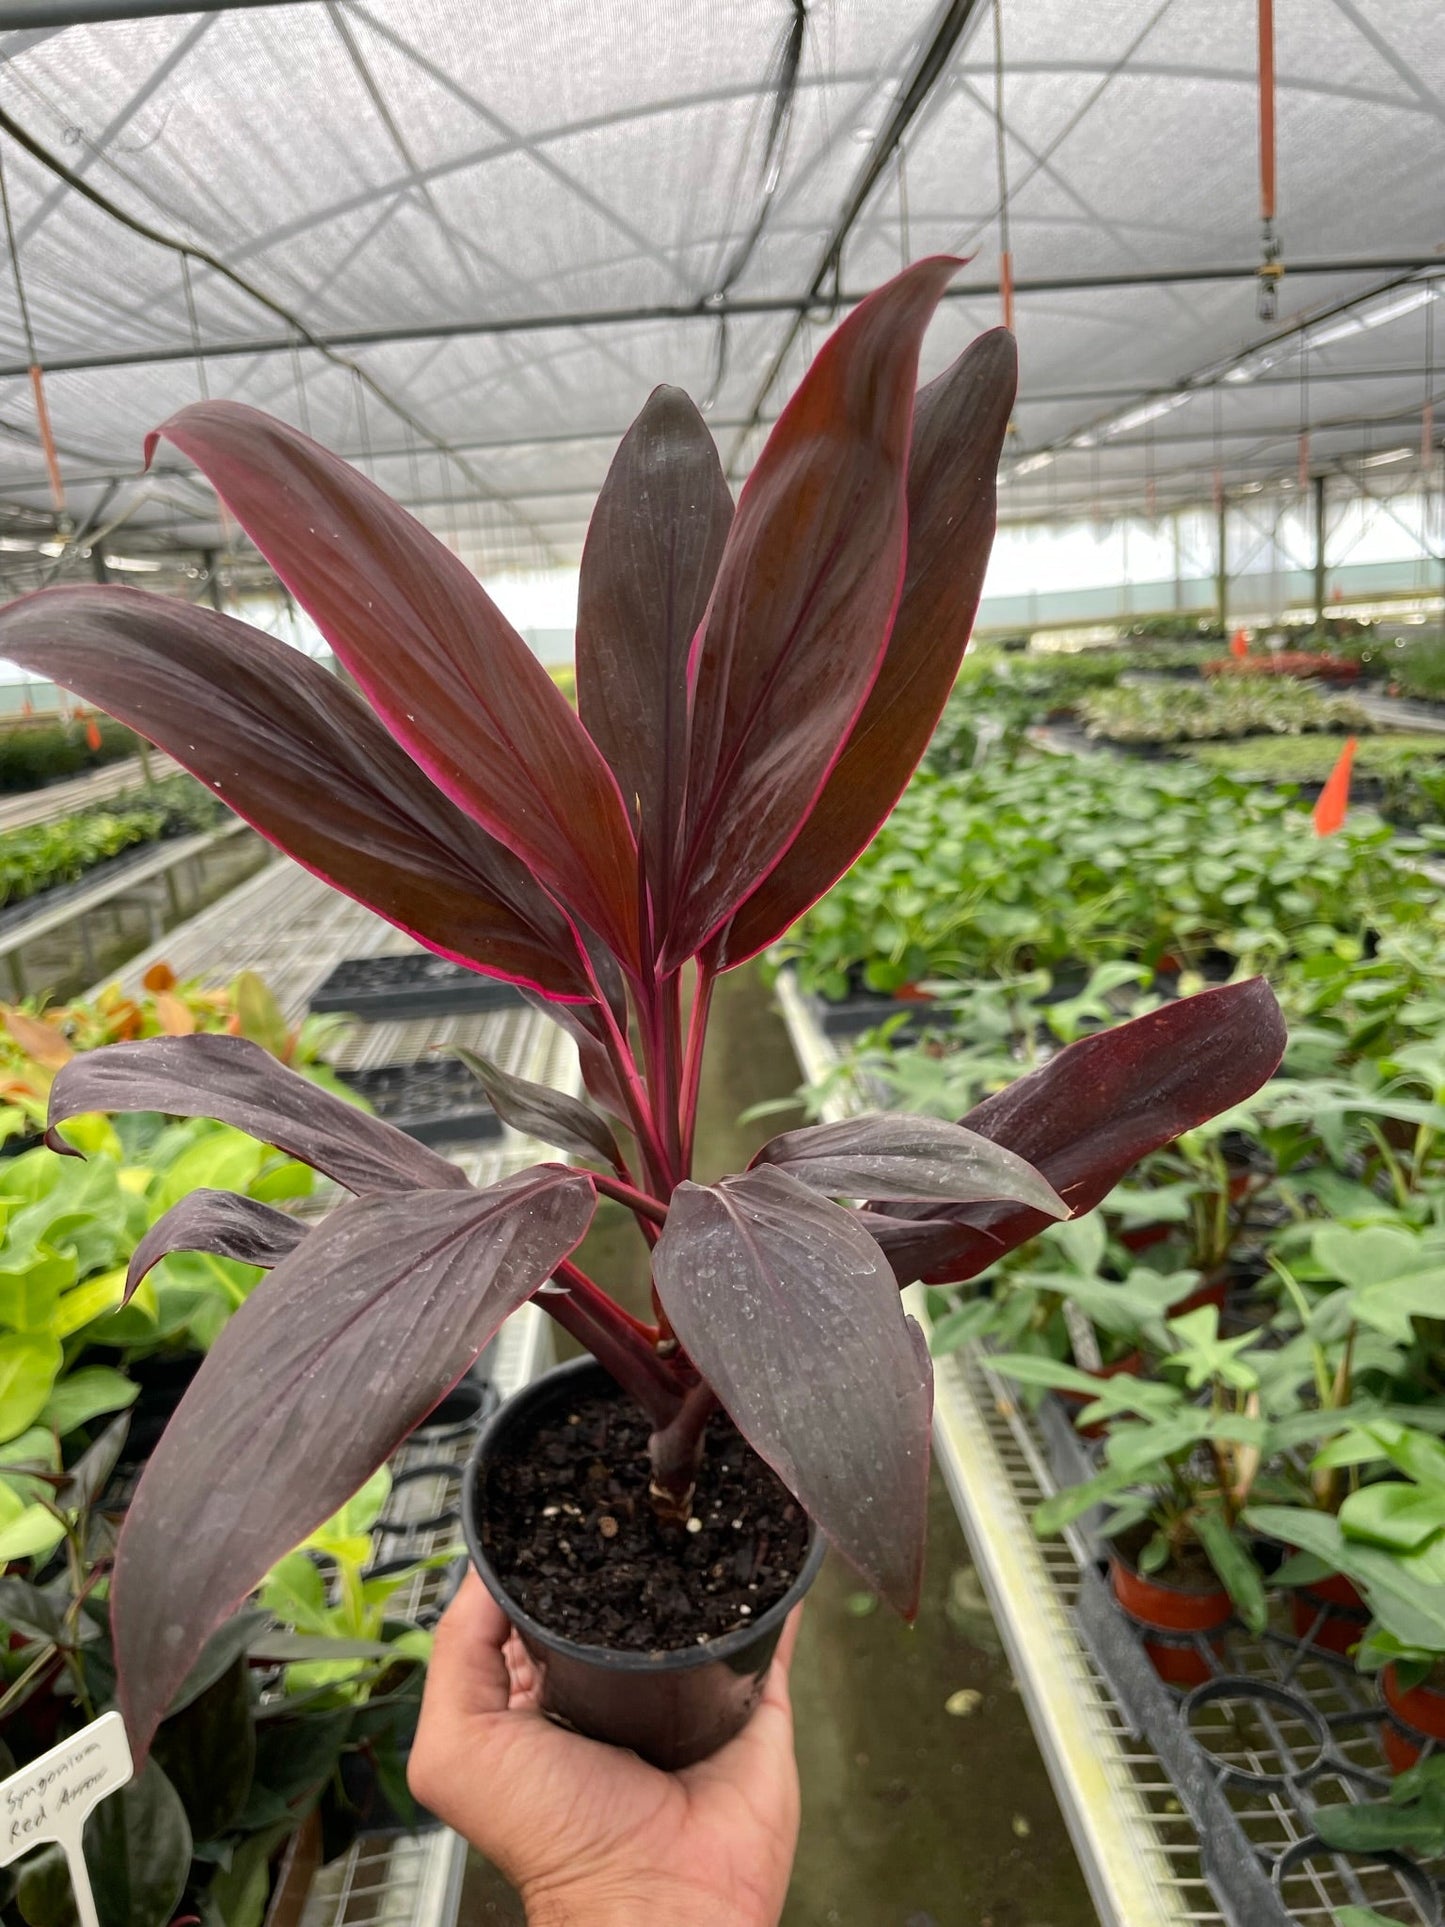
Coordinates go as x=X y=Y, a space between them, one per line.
x=45 y=854
x=1404 y=773
x=33 y=754
x=1418 y=671
x=1166 y=713
x=1034 y=861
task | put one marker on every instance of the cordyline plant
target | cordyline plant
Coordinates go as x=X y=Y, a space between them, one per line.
x=755 y=685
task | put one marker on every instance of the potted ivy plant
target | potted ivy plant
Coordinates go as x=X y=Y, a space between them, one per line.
x=755 y=685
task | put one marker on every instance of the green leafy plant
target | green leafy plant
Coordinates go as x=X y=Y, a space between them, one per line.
x=1411 y=1818
x=45 y=854
x=236 y=1766
x=34 y=753
x=1388 y=1537
x=1040 y=861
x=1179 y=712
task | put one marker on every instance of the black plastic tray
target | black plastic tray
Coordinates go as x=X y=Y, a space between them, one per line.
x=1279 y=1727
x=435 y=1100
x=415 y=984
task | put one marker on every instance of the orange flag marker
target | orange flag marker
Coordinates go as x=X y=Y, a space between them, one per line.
x=92 y=734
x=1239 y=645
x=1334 y=798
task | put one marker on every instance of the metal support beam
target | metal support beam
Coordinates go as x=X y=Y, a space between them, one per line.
x=213 y=581
x=1221 y=563
x=798 y=305
x=22 y=15
x=1317 y=485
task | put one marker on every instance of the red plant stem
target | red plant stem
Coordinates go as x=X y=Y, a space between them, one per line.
x=692 y=1062
x=625 y=1064
x=675 y=1450
x=652 y=1211
x=590 y=1292
x=621 y=1345
x=659 y=1021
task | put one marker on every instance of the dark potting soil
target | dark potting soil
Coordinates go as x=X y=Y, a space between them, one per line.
x=574 y=1537
x=1188 y=1571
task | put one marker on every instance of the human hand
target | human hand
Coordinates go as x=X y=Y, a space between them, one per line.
x=590 y=1835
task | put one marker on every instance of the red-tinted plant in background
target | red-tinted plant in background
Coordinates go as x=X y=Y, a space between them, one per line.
x=755 y=686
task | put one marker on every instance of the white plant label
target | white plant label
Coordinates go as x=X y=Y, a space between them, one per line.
x=50 y=1799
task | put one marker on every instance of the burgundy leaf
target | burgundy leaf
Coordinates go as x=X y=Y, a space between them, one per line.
x=236 y=1081
x=959 y=424
x=535 y=1111
x=223 y=1223
x=652 y=553
x=784 y=1304
x=800 y=615
x=1087 y=1117
x=298 y=754
x=445 y=670
x=891 y=1155
x=582 y=1024
x=312 y=1383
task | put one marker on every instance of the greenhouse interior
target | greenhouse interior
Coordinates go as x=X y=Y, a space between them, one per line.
x=722 y=881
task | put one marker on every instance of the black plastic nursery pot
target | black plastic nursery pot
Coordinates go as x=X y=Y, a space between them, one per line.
x=672 y=1707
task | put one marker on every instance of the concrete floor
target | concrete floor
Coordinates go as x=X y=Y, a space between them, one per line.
x=913 y=1815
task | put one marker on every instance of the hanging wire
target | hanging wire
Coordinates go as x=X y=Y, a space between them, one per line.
x=228 y=532
x=782 y=83
x=1427 y=412
x=1006 y=260
x=303 y=406
x=363 y=431
x=905 y=244
x=195 y=327
x=1151 y=497
x=37 y=378
x=1304 y=411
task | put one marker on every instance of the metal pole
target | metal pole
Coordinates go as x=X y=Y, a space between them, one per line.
x=1221 y=572
x=1318 y=485
x=22 y=14
x=797 y=305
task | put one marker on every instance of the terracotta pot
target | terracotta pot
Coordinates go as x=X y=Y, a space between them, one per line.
x=1145 y=1236
x=1166 y=1607
x=675 y=1707
x=1399 y=1750
x=911 y=994
x=1422 y=1706
x=1213 y=1291
x=1329 y=1613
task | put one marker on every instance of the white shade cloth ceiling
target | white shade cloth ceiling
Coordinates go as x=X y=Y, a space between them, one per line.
x=415 y=166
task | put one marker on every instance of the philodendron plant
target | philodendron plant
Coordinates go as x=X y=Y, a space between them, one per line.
x=755 y=685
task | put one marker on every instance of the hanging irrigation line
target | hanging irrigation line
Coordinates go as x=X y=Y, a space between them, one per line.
x=1005 y=253
x=1271 y=266
x=293 y=323
x=931 y=64
x=37 y=378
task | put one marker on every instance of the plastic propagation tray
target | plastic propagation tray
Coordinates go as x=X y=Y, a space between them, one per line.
x=1279 y=1728
x=434 y=1099
x=412 y=984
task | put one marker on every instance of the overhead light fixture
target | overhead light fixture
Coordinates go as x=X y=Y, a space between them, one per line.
x=134 y=564
x=1031 y=464
x=1371 y=314
x=1149 y=411
x=1386 y=456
